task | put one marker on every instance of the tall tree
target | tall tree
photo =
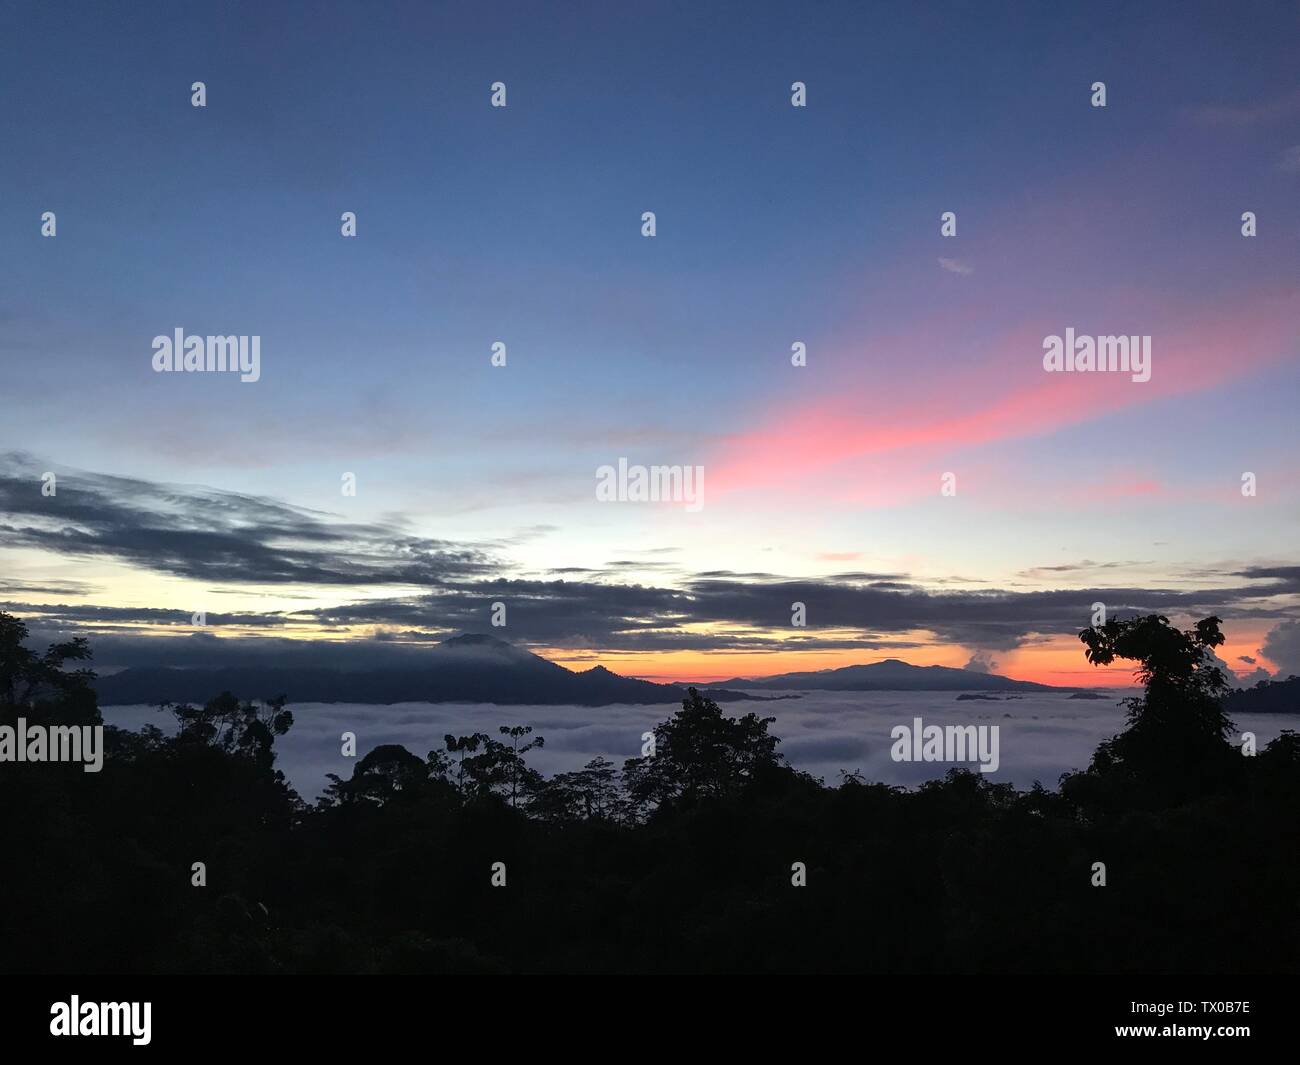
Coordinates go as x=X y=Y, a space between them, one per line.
x=28 y=679
x=701 y=753
x=1176 y=743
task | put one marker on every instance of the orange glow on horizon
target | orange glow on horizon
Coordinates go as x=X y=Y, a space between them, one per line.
x=1059 y=663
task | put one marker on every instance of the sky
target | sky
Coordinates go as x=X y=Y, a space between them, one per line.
x=829 y=484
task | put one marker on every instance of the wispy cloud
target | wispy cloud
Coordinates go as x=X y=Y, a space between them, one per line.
x=212 y=535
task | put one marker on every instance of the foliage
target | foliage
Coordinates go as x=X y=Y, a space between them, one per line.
x=680 y=862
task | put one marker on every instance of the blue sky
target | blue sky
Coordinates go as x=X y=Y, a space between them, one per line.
x=775 y=224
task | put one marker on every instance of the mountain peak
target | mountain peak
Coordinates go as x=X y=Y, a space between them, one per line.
x=473 y=639
x=889 y=674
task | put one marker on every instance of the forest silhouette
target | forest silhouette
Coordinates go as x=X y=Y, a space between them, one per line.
x=677 y=862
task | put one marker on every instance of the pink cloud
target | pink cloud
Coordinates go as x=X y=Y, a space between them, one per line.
x=869 y=422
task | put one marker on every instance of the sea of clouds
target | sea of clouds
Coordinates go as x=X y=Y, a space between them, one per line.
x=1042 y=735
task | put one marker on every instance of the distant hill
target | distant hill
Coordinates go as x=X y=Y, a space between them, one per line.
x=470 y=668
x=1266 y=697
x=890 y=675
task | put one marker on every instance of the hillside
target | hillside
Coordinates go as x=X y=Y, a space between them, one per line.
x=469 y=668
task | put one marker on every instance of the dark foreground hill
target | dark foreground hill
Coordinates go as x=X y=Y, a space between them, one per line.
x=890 y=675
x=1170 y=853
x=470 y=668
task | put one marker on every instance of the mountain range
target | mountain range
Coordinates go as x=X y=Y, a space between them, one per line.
x=470 y=668
x=890 y=675
x=483 y=669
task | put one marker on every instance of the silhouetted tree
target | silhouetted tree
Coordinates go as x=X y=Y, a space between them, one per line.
x=28 y=679
x=1175 y=744
x=591 y=792
x=244 y=728
x=701 y=753
x=464 y=745
x=499 y=768
x=685 y=869
x=381 y=775
x=515 y=768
